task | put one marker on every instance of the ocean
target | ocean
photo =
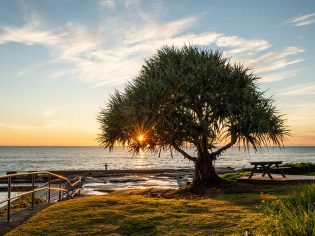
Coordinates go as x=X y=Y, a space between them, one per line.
x=94 y=158
x=14 y=158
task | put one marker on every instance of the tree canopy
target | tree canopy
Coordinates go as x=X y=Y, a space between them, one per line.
x=191 y=97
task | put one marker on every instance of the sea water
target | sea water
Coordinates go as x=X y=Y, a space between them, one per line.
x=94 y=158
x=83 y=158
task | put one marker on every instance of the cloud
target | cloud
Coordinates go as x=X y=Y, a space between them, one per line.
x=113 y=51
x=107 y=3
x=153 y=31
x=304 y=89
x=113 y=3
x=77 y=41
x=274 y=77
x=303 y=20
x=275 y=60
x=131 y=2
x=241 y=45
x=36 y=124
x=49 y=112
x=29 y=34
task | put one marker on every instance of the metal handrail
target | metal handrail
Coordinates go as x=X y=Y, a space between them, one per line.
x=43 y=188
x=49 y=188
x=38 y=173
x=37 y=190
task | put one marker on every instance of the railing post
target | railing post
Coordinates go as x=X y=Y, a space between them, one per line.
x=59 y=189
x=9 y=200
x=68 y=190
x=33 y=187
x=49 y=180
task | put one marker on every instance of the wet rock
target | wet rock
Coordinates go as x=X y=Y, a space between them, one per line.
x=127 y=179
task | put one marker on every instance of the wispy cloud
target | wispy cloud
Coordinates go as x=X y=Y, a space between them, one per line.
x=275 y=60
x=100 y=57
x=49 y=112
x=107 y=3
x=37 y=124
x=152 y=30
x=46 y=122
x=304 y=89
x=240 y=45
x=303 y=20
x=113 y=3
x=274 y=77
x=29 y=34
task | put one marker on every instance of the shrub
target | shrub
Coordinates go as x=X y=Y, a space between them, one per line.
x=300 y=168
x=26 y=201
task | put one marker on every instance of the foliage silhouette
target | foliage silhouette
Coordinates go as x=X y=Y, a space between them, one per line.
x=191 y=97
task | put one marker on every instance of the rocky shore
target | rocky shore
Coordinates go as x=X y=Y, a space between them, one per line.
x=103 y=181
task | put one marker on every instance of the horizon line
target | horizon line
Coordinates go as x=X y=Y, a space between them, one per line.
x=127 y=147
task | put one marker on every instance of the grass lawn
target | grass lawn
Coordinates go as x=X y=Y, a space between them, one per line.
x=138 y=213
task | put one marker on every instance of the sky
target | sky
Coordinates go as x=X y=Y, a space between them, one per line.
x=61 y=60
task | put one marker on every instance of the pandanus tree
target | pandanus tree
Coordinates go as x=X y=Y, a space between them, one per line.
x=188 y=97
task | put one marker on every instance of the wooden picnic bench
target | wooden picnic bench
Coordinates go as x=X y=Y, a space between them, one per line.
x=266 y=167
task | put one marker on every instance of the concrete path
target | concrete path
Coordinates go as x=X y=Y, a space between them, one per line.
x=19 y=217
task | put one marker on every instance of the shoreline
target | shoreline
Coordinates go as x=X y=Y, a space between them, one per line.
x=97 y=172
x=101 y=173
x=97 y=181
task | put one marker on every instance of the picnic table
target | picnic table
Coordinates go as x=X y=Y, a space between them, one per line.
x=266 y=167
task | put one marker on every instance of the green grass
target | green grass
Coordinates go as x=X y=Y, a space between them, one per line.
x=276 y=210
x=125 y=214
x=233 y=175
x=295 y=214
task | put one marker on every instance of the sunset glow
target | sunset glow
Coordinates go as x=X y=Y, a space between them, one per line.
x=57 y=69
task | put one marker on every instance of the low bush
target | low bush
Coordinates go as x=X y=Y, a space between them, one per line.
x=300 y=168
x=26 y=201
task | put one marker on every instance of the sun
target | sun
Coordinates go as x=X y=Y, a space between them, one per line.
x=140 y=138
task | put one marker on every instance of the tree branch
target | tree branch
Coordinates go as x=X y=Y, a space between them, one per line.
x=185 y=154
x=220 y=150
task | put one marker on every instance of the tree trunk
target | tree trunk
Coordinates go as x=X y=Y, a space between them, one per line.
x=205 y=171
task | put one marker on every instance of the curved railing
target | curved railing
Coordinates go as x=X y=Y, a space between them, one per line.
x=71 y=189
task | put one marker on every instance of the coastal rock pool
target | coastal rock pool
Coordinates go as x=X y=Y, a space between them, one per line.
x=103 y=185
